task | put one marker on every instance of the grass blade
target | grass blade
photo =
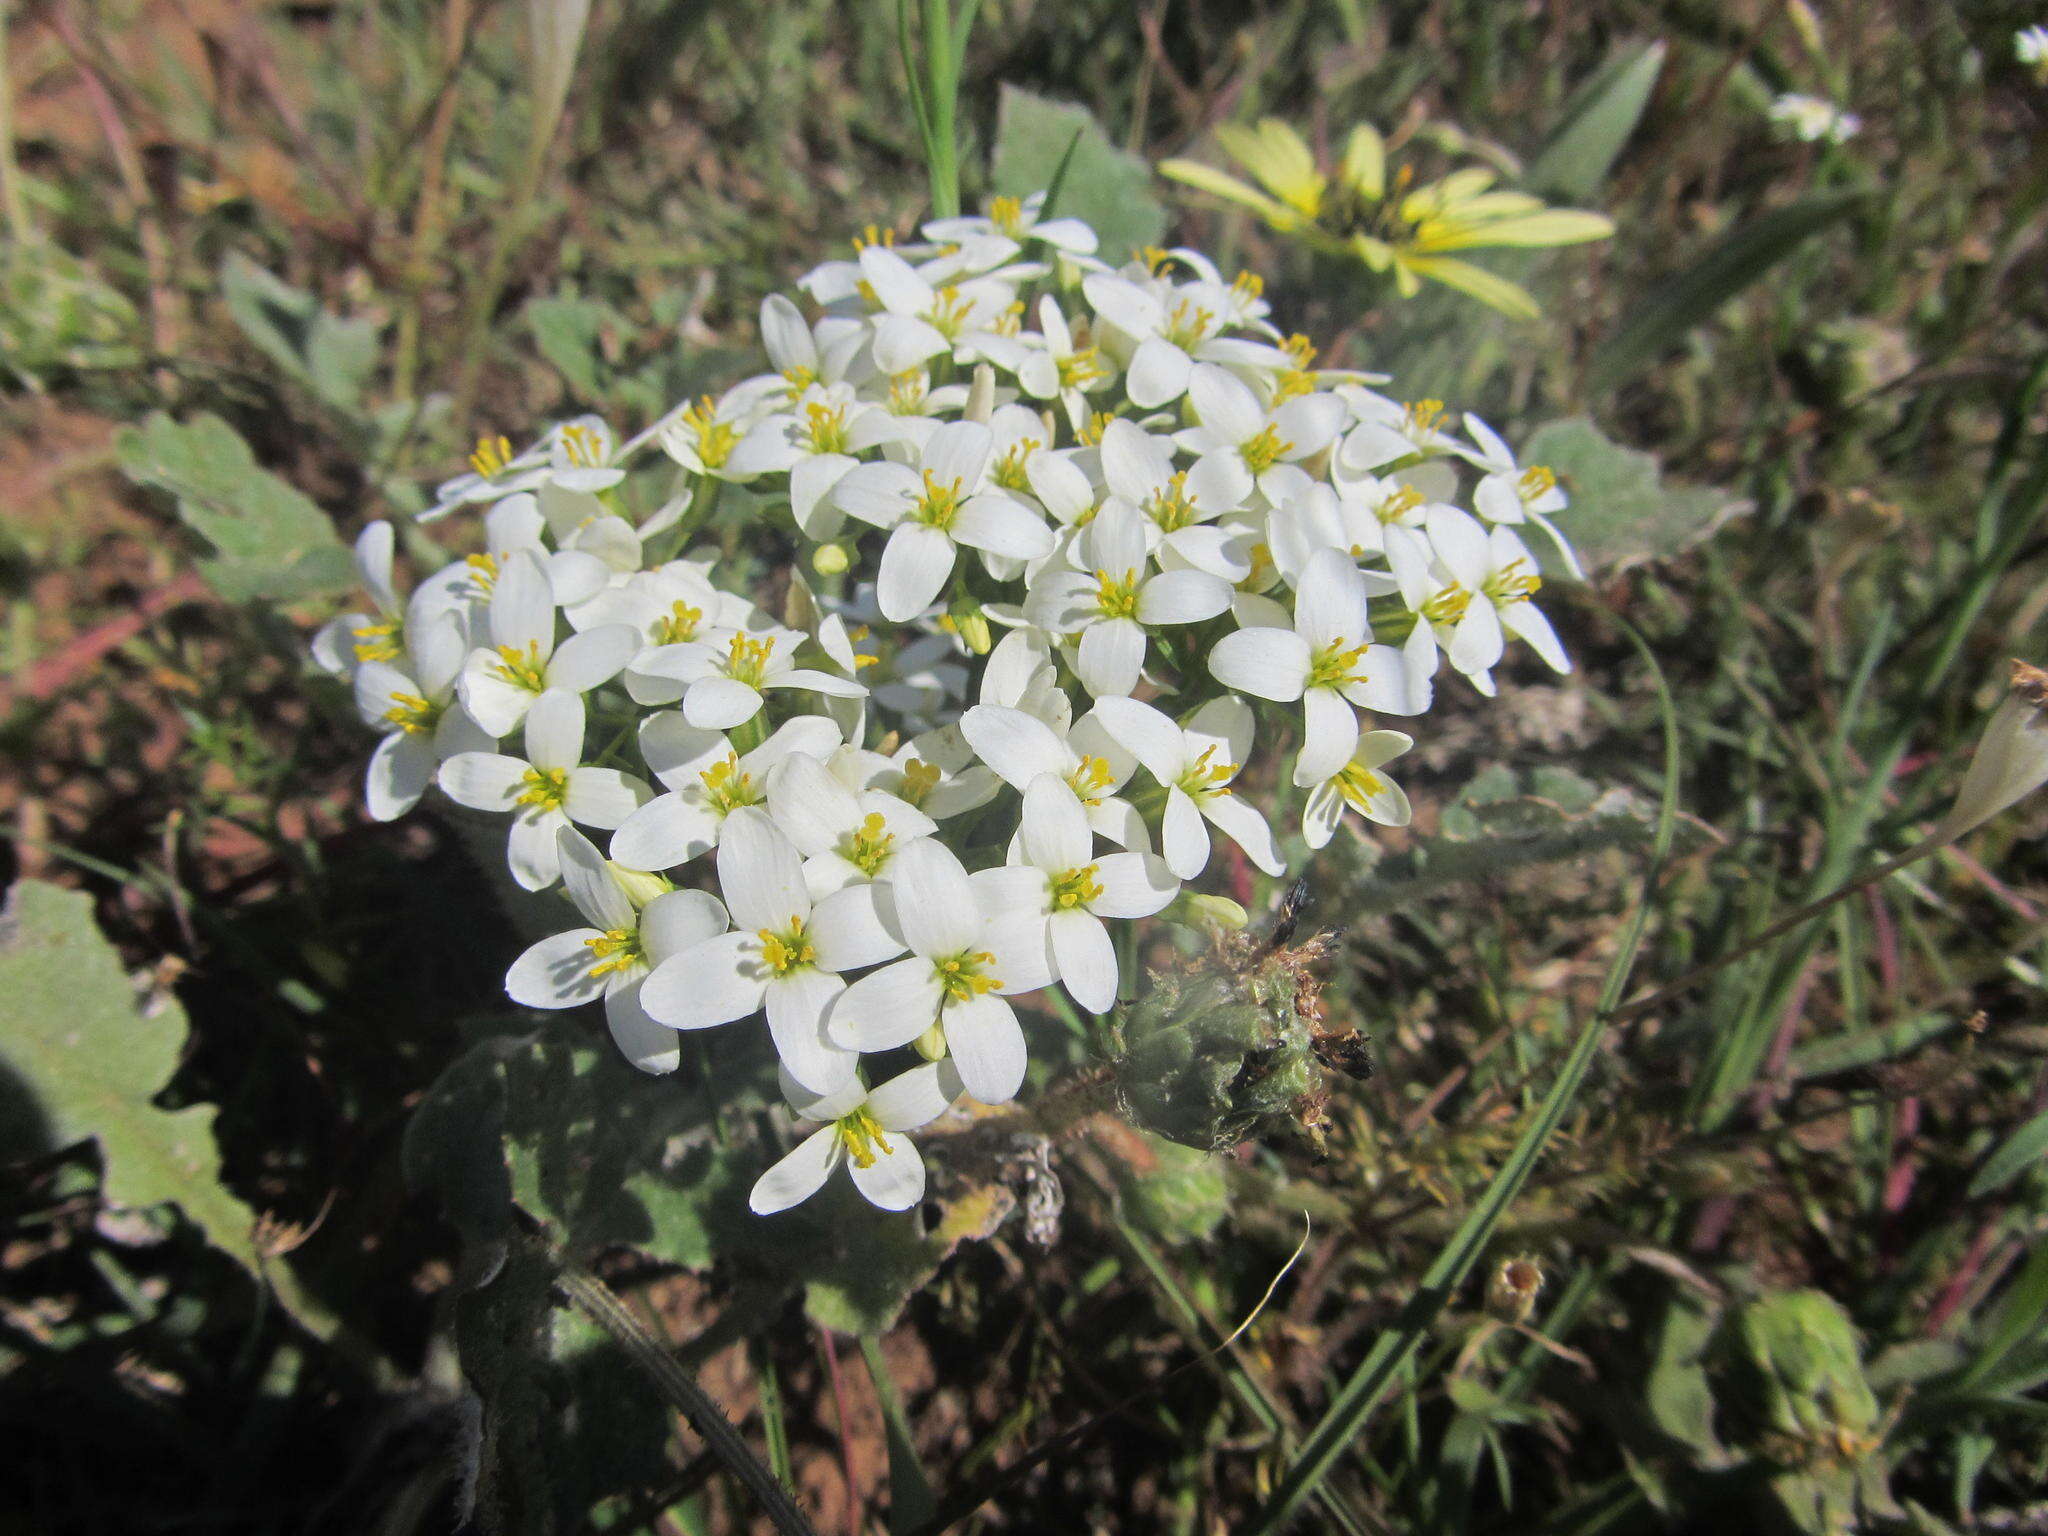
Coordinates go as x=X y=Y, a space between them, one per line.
x=911 y=1502
x=1598 y=121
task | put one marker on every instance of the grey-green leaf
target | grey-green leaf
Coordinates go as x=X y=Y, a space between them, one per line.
x=1738 y=259
x=330 y=356
x=1109 y=187
x=1623 y=511
x=270 y=542
x=1598 y=120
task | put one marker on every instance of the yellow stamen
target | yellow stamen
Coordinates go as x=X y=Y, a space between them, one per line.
x=1514 y=583
x=1172 y=508
x=920 y=778
x=490 y=456
x=825 y=427
x=727 y=786
x=962 y=976
x=869 y=846
x=746 y=661
x=1205 y=778
x=786 y=952
x=940 y=504
x=523 y=669
x=1080 y=368
x=1187 y=325
x=1075 y=888
x=1359 y=785
x=1422 y=417
x=583 y=447
x=1116 y=597
x=1448 y=606
x=483 y=570
x=1009 y=469
x=376 y=642
x=680 y=624
x=862 y=1137
x=413 y=714
x=1007 y=214
x=715 y=439
x=615 y=950
x=1264 y=450
x=544 y=788
x=1536 y=481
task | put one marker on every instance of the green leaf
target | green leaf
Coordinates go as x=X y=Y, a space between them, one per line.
x=1677 y=1392
x=1109 y=187
x=330 y=356
x=1739 y=259
x=2012 y=1157
x=1178 y=1195
x=270 y=542
x=79 y=1060
x=570 y=334
x=1623 y=512
x=1598 y=120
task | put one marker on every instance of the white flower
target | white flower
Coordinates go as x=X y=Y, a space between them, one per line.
x=1812 y=119
x=1510 y=493
x=864 y=1131
x=1360 y=785
x=1114 y=603
x=500 y=683
x=1327 y=660
x=847 y=838
x=702 y=437
x=1062 y=878
x=613 y=955
x=1018 y=746
x=1167 y=327
x=920 y=322
x=669 y=605
x=706 y=782
x=1389 y=432
x=545 y=790
x=970 y=947
x=1234 y=422
x=582 y=456
x=416 y=710
x=2030 y=45
x=784 y=957
x=1019 y=220
x=934 y=508
x=814 y=443
x=1492 y=576
x=344 y=643
x=1195 y=764
x=721 y=683
x=494 y=471
x=1180 y=505
x=1063 y=369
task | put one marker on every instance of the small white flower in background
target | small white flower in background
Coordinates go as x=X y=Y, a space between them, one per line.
x=1180 y=506
x=1361 y=786
x=1812 y=119
x=864 y=1133
x=1196 y=764
x=1019 y=220
x=1478 y=592
x=500 y=683
x=1510 y=493
x=706 y=780
x=919 y=321
x=814 y=442
x=1060 y=875
x=544 y=791
x=783 y=958
x=1018 y=746
x=1389 y=433
x=2030 y=47
x=971 y=947
x=494 y=471
x=702 y=436
x=613 y=955
x=930 y=510
x=2011 y=761
x=343 y=644
x=1267 y=443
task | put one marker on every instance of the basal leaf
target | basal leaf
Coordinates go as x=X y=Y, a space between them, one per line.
x=1598 y=121
x=330 y=356
x=1623 y=512
x=1109 y=187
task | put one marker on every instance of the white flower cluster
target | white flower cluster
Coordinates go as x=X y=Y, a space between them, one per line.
x=862 y=820
x=1811 y=119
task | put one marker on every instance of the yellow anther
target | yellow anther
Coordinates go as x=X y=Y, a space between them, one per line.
x=949 y=312
x=825 y=427
x=1262 y=562
x=728 y=786
x=1263 y=450
x=746 y=660
x=1514 y=583
x=1011 y=321
x=1116 y=597
x=962 y=976
x=799 y=378
x=1188 y=325
x=544 y=788
x=1448 y=606
x=1248 y=285
x=907 y=392
x=679 y=624
x=583 y=447
x=1422 y=417
x=412 y=714
x=1080 y=368
x=1155 y=258
x=1172 y=507
x=490 y=456
x=1091 y=779
x=1536 y=481
x=715 y=439
x=862 y=1137
x=786 y=952
x=1075 y=888
x=615 y=950
x=1009 y=467
x=376 y=642
x=1334 y=665
x=1358 y=785
x=1205 y=778
x=1007 y=214
x=868 y=847
x=873 y=236
x=1098 y=423
x=939 y=504
x=522 y=669
x=1398 y=505
x=1299 y=349
x=920 y=778
x=483 y=570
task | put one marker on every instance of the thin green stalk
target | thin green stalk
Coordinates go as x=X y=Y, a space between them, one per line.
x=1395 y=1349
x=13 y=204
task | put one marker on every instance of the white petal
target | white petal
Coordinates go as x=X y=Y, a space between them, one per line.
x=811 y=807
x=1527 y=620
x=1329 y=735
x=588 y=880
x=1184 y=836
x=935 y=907
x=531 y=851
x=915 y=1098
x=593 y=657
x=1086 y=956
x=554 y=730
x=1330 y=603
x=1146 y=734
x=400 y=770
x=644 y=1041
x=1266 y=663
x=1016 y=937
x=1017 y=746
x=760 y=872
x=710 y=983
x=483 y=781
x=915 y=564
x=1224 y=724
x=1133 y=885
x=1182 y=597
x=496 y=704
x=960 y=451
x=878 y=493
x=678 y=920
x=603 y=797
x=848 y=931
x=1055 y=826
x=800 y=1174
x=887 y=1008
x=522 y=610
x=1134 y=464
x=894 y=1180
x=1242 y=823
x=666 y=831
x=676 y=751
x=1001 y=526
x=1476 y=644
x=796 y=1006
x=1110 y=657
x=555 y=973
x=987 y=1047
x=1224 y=405
x=1460 y=542
x=720 y=703
x=1158 y=373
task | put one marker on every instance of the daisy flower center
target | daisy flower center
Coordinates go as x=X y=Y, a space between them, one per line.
x=544 y=788
x=715 y=439
x=413 y=714
x=862 y=1137
x=680 y=624
x=962 y=975
x=1334 y=665
x=1075 y=888
x=1116 y=597
x=789 y=950
x=617 y=949
x=490 y=456
x=376 y=642
x=1262 y=451
x=1205 y=778
x=939 y=504
x=869 y=846
x=727 y=786
x=523 y=669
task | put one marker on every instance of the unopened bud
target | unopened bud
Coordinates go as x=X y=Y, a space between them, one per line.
x=981 y=395
x=971 y=625
x=830 y=559
x=931 y=1045
x=1511 y=1292
x=640 y=885
x=1199 y=911
x=2011 y=761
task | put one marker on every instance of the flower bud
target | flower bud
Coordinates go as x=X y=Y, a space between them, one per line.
x=831 y=559
x=1511 y=1292
x=981 y=395
x=1195 y=910
x=640 y=885
x=2011 y=761
x=971 y=624
x=931 y=1045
